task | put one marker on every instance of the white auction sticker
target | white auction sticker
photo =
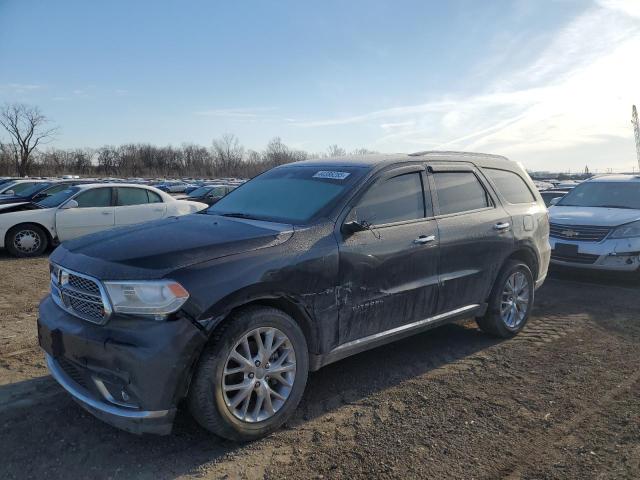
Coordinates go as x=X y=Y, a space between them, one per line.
x=331 y=174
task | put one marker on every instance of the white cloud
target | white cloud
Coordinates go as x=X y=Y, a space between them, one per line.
x=576 y=94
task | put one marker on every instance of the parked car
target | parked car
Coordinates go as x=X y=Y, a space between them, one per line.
x=597 y=225
x=172 y=187
x=550 y=195
x=27 y=229
x=38 y=191
x=17 y=186
x=302 y=266
x=210 y=194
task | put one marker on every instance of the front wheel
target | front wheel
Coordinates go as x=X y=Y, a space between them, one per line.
x=252 y=375
x=26 y=240
x=510 y=301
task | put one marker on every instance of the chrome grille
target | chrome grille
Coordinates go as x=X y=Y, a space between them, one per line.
x=79 y=295
x=84 y=284
x=580 y=233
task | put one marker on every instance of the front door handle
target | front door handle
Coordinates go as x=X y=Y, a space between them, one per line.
x=502 y=226
x=424 y=239
x=106 y=213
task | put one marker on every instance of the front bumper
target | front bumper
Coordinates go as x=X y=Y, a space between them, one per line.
x=618 y=255
x=130 y=373
x=131 y=420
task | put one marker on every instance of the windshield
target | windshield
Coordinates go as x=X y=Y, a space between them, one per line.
x=289 y=194
x=16 y=188
x=58 y=198
x=603 y=194
x=198 y=192
x=31 y=190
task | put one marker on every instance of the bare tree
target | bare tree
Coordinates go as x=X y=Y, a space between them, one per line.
x=228 y=154
x=336 y=151
x=27 y=129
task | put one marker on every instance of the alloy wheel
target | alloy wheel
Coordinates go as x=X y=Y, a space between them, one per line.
x=514 y=303
x=259 y=374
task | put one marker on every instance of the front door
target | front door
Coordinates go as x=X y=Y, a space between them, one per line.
x=388 y=272
x=95 y=212
x=475 y=236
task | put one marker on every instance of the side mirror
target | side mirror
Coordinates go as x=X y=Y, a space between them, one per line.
x=9 y=192
x=70 y=204
x=349 y=228
x=554 y=201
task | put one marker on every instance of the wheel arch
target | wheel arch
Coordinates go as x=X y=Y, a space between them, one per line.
x=289 y=305
x=50 y=238
x=528 y=256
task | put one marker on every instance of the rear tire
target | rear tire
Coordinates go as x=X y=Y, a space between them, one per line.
x=26 y=240
x=510 y=301
x=251 y=376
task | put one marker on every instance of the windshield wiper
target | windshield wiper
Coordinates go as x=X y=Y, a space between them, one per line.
x=615 y=206
x=239 y=215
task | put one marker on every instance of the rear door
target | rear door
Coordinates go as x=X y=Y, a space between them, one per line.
x=95 y=212
x=475 y=235
x=137 y=205
x=388 y=273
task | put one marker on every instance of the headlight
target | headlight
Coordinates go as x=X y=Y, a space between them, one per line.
x=156 y=298
x=625 y=231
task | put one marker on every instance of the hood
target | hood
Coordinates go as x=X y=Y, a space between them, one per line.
x=4 y=199
x=154 y=249
x=593 y=216
x=17 y=207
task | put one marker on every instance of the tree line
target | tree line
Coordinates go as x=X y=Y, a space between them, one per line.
x=29 y=130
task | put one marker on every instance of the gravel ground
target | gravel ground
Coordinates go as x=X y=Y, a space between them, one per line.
x=561 y=400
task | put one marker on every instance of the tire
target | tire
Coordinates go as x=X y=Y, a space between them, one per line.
x=507 y=322
x=26 y=240
x=212 y=406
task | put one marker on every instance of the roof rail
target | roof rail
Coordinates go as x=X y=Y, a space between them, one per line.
x=450 y=152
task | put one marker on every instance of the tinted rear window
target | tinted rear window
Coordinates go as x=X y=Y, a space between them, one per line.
x=460 y=192
x=511 y=185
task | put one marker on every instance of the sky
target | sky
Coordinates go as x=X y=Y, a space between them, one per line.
x=549 y=83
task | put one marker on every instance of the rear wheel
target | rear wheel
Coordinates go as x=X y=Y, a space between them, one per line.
x=26 y=240
x=510 y=301
x=252 y=376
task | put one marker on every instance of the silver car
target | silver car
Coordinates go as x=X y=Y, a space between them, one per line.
x=597 y=225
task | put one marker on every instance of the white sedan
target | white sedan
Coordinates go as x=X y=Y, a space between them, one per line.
x=27 y=229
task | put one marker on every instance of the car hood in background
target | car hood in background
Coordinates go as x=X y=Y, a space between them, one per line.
x=154 y=249
x=593 y=216
x=17 y=207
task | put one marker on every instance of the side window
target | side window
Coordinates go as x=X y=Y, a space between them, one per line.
x=96 y=197
x=132 y=196
x=154 y=197
x=460 y=192
x=393 y=200
x=511 y=185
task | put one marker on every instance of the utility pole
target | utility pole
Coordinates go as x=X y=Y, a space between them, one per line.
x=636 y=131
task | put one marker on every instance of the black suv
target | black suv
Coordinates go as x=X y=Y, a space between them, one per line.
x=304 y=265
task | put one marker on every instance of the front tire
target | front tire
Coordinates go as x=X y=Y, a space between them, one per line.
x=27 y=240
x=510 y=301
x=251 y=376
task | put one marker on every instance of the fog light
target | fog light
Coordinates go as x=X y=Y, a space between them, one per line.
x=125 y=396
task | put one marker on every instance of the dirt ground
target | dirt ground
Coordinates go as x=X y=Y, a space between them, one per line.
x=561 y=400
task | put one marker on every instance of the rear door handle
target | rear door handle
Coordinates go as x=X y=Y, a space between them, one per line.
x=106 y=213
x=424 y=239
x=502 y=226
